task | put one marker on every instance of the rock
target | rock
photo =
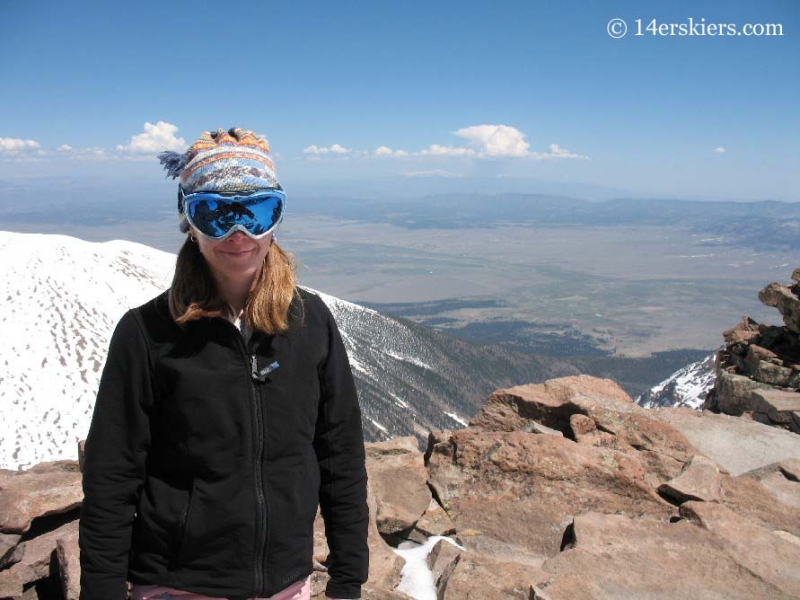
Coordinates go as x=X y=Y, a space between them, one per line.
x=758 y=550
x=617 y=558
x=433 y=522
x=782 y=298
x=44 y=490
x=791 y=468
x=399 y=480
x=36 y=560
x=442 y=561
x=512 y=494
x=81 y=454
x=69 y=564
x=744 y=332
x=774 y=479
x=700 y=480
x=8 y=542
x=750 y=499
x=738 y=445
x=732 y=393
x=555 y=403
x=514 y=409
x=477 y=577
x=384 y=565
x=776 y=405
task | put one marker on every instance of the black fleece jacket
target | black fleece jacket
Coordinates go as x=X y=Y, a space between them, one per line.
x=207 y=458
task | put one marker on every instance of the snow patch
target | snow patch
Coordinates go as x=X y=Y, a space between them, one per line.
x=416 y=577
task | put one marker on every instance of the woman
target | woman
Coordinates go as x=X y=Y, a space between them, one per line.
x=226 y=412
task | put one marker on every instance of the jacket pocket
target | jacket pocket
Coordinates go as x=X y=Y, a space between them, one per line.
x=184 y=525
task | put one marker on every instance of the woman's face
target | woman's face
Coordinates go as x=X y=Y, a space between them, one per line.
x=237 y=257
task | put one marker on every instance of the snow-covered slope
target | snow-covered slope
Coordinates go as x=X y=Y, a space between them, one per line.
x=686 y=387
x=62 y=298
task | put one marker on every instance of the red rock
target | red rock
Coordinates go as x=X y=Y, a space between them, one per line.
x=400 y=482
x=37 y=493
x=511 y=495
x=700 y=480
x=758 y=550
x=617 y=558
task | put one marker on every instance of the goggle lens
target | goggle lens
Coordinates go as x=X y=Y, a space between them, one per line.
x=218 y=215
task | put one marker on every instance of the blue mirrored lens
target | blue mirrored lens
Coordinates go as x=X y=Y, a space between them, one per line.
x=215 y=215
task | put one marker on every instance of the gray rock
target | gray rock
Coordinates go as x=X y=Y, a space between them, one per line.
x=737 y=444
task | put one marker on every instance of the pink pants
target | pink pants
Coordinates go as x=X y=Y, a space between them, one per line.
x=297 y=591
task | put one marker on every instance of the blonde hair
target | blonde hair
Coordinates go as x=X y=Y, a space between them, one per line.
x=194 y=295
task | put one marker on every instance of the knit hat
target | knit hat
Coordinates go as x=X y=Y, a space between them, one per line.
x=231 y=161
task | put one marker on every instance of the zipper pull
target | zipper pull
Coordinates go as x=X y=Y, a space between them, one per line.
x=262 y=374
x=254 y=367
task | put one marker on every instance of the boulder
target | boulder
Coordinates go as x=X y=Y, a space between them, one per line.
x=400 y=482
x=732 y=393
x=433 y=522
x=511 y=495
x=385 y=565
x=36 y=560
x=778 y=480
x=477 y=577
x=790 y=468
x=44 y=490
x=442 y=560
x=555 y=403
x=782 y=298
x=738 y=445
x=777 y=406
x=69 y=564
x=549 y=403
x=8 y=542
x=700 y=480
x=750 y=499
x=758 y=550
x=614 y=557
x=745 y=332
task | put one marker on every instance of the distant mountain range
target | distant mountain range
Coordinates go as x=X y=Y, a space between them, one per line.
x=64 y=296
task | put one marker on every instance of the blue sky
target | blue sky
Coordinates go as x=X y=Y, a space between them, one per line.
x=524 y=95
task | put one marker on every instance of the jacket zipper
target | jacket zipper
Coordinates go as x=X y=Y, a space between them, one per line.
x=262 y=509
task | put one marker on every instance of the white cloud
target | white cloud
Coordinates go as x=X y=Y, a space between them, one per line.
x=156 y=138
x=434 y=173
x=315 y=150
x=437 y=150
x=496 y=140
x=64 y=148
x=16 y=146
x=485 y=141
x=386 y=151
x=557 y=151
x=720 y=150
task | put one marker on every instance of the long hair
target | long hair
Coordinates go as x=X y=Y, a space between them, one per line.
x=194 y=295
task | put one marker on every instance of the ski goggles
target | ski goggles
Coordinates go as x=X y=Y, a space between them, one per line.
x=217 y=215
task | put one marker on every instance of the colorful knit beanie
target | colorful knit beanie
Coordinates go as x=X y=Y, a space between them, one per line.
x=221 y=162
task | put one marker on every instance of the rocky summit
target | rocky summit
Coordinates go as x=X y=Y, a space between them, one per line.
x=758 y=371
x=555 y=491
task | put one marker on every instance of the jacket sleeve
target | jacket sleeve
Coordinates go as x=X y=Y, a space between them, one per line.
x=339 y=445
x=114 y=463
